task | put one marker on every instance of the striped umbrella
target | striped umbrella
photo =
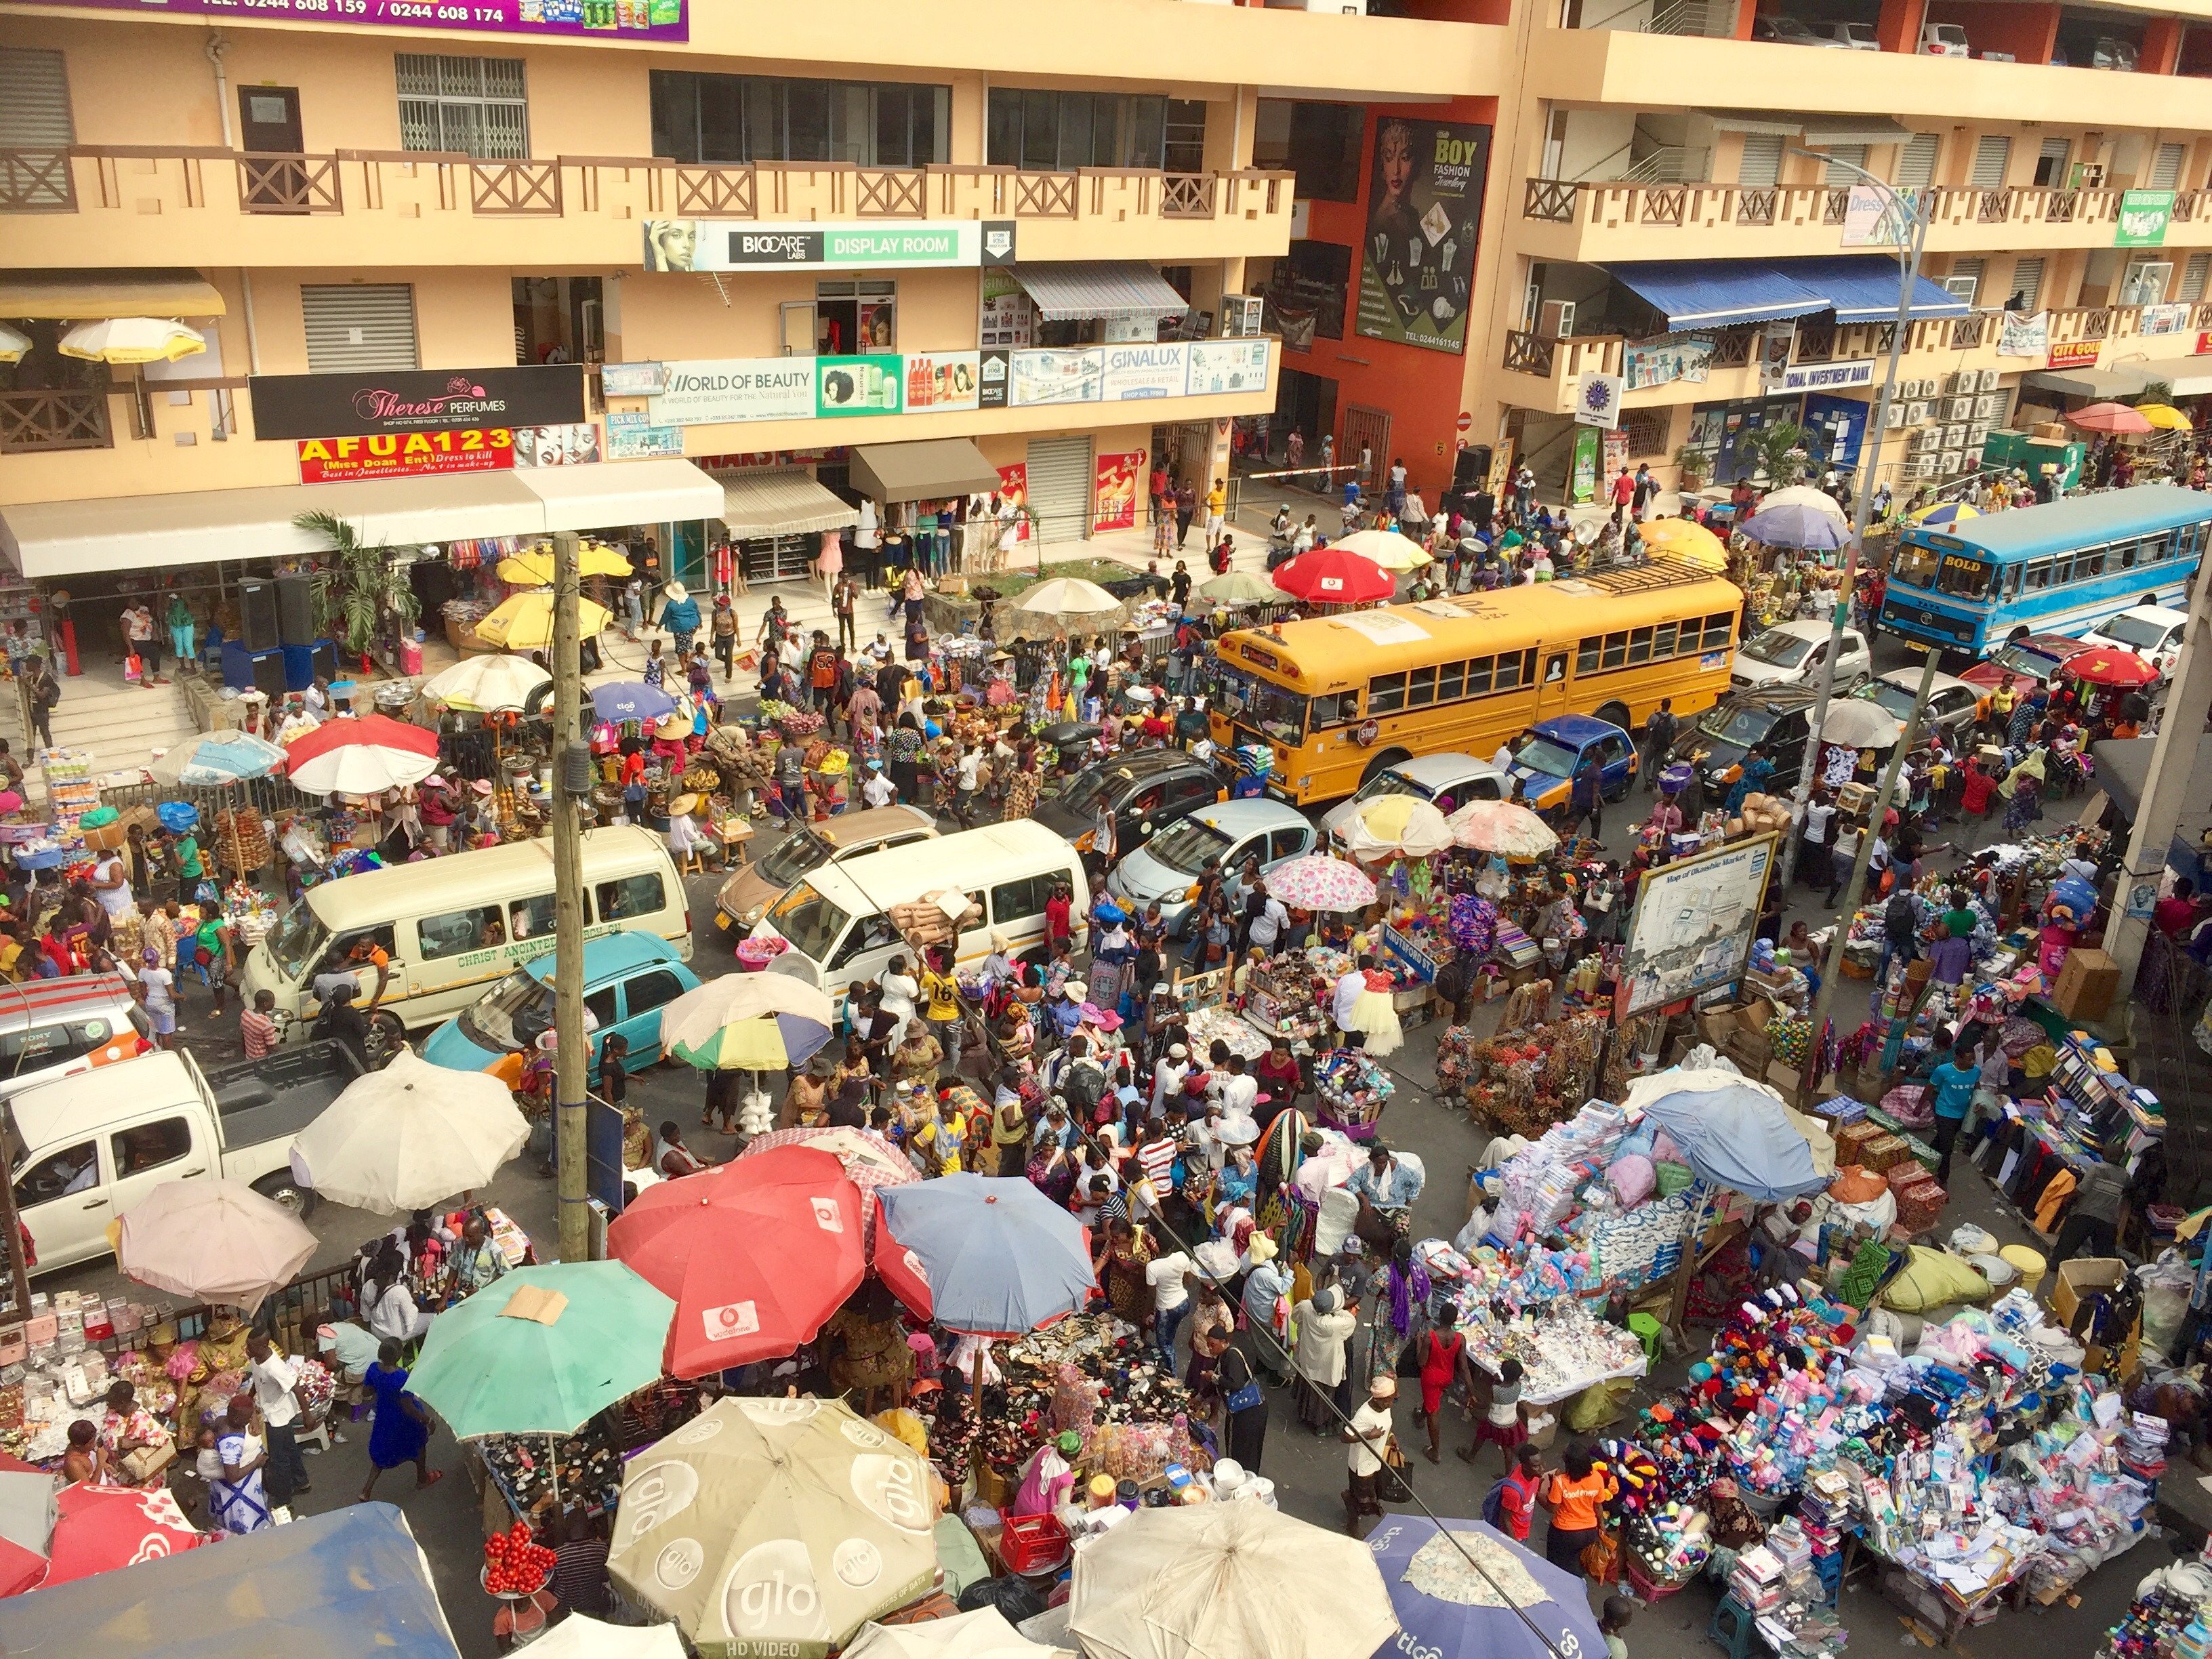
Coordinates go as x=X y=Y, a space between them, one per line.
x=748 y=1023
x=1944 y=513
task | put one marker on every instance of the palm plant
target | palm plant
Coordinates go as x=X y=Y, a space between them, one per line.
x=359 y=587
x=1779 y=449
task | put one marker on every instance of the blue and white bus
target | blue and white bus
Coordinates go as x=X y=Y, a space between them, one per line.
x=1971 y=586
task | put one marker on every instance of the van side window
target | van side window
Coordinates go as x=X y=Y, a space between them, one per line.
x=38 y=1046
x=149 y=1145
x=869 y=934
x=73 y=1169
x=1019 y=901
x=531 y=918
x=648 y=992
x=334 y=957
x=456 y=932
x=631 y=895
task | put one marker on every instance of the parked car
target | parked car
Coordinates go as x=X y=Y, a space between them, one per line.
x=1944 y=40
x=1788 y=32
x=2031 y=660
x=1792 y=653
x=751 y=889
x=1953 y=705
x=1776 y=718
x=1144 y=792
x=1446 y=781
x=1168 y=866
x=2110 y=54
x=1547 y=756
x=53 y=1028
x=2153 y=632
x=1859 y=37
x=628 y=979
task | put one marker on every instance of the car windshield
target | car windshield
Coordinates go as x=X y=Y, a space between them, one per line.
x=1739 y=726
x=2027 y=659
x=1088 y=792
x=1282 y=714
x=793 y=857
x=1184 y=847
x=1548 y=755
x=1893 y=697
x=2137 y=633
x=1777 y=648
x=809 y=921
x=297 y=939
x=513 y=1015
x=1390 y=783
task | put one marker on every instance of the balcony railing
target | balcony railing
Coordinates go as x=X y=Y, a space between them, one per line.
x=1187 y=196
x=33 y=182
x=515 y=189
x=75 y=419
x=290 y=184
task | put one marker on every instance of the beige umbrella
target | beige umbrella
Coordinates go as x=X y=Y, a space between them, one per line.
x=775 y=1526
x=1860 y=723
x=982 y=1634
x=14 y=342
x=213 y=1241
x=133 y=340
x=492 y=684
x=1395 y=826
x=1227 y=1581
x=1805 y=496
x=1387 y=547
x=581 y=1636
x=409 y=1136
x=1502 y=827
x=1068 y=596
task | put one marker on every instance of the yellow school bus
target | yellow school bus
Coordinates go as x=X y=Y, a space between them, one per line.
x=1338 y=698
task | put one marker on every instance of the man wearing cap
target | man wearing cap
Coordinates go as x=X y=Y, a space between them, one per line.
x=1168 y=1077
x=1368 y=1435
x=1265 y=1284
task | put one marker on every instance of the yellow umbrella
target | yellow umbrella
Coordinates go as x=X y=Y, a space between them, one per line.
x=14 y=342
x=1387 y=548
x=1405 y=825
x=524 y=622
x=535 y=568
x=2166 y=416
x=133 y=340
x=1685 y=539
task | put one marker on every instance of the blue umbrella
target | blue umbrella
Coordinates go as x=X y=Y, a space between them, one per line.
x=1444 y=1606
x=212 y=758
x=981 y=1254
x=631 y=700
x=1794 y=524
x=1734 y=1132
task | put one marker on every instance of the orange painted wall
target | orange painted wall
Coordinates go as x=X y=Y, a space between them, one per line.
x=2028 y=32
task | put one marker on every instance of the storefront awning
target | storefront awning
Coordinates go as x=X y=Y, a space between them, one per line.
x=1862 y=289
x=1715 y=292
x=922 y=471
x=2124 y=774
x=2121 y=380
x=1774 y=123
x=760 y=504
x=1824 y=130
x=79 y=295
x=664 y=491
x=1117 y=290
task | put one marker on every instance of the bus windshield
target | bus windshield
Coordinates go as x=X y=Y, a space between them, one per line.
x=1282 y=714
x=1915 y=565
x=1963 y=579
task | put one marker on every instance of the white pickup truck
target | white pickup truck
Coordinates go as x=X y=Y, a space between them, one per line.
x=84 y=1150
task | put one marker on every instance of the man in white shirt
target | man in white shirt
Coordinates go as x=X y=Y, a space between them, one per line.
x=1239 y=1093
x=878 y=790
x=1349 y=989
x=1167 y=1275
x=1503 y=757
x=276 y=1389
x=1366 y=1438
x=1168 y=1077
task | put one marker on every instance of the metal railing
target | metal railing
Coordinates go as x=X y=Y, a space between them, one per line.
x=290 y=1316
x=271 y=796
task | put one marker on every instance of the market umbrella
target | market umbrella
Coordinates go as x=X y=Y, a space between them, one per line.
x=524 y=621
x=360 y=755
x=631 y=700
x=2166 y=417
x=1806 y=495
x=14 y=342
x=213 y=1241
x=775 y=1526
x=1504 y=827
x=982 y=1634
x=133 y=340
x=2117 y=418
x=1401 y=826
x=1068 y=596
x=1733 y=1132
x=1318 y=882
x=1227 y=1581
x=1685 y=539
x=1329 y=576
x=541 y=1350
x=406 y=1137
x=1240 y=587
x=99 y=1529
x=2110 y=667
x=1860 y=723
x=869 y=1159
x=1447 y=1606
x=757 y=1253
x=580 y=1636
x=534 y=568
x=212 y=758
x=490 y=682
x=1943 y=513
x=1795 y=524
x=26 y=1526
x=748 y=1023
x=988 y=1255
x=1387 y=548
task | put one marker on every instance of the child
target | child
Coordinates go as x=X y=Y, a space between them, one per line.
x=1612 y=1620
x=1517 y=1506
x=86 y=1461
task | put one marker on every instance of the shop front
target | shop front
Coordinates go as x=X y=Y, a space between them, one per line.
x=1725 y=433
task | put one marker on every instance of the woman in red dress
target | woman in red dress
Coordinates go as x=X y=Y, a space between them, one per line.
x=1443 y=1353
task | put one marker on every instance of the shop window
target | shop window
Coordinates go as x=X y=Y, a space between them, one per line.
x=1046 y=131
x=758 y=117
x=853 y=317
x=1479 y=673
x=1639 y=646
x=1307 y=291
x=1451 y=682
x=631 y=895
x=472 y=106
x=1420 y=688
x=1616 y=650
x=149 y=1145
x=1663 y=641
x=456 y=932
x=1645 y=430
x=1319 y=142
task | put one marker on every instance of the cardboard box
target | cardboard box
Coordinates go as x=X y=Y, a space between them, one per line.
x=1786 y=1080
x=1717 y=1023
x=2087 y=983
x=2084 y=1277
x=1754 y=1014
x=1751 y=1051
x=1884 y=1153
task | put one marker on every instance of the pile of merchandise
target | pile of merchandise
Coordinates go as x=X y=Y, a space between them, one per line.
x=1522 y=1079
x=2168 y=1618
x=539 y=1474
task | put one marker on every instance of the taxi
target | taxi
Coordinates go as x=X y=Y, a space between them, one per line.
x=1547 y=756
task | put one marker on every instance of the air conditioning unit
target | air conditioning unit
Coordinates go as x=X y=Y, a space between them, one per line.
x=1894 y=417
x=1959 y=409
x=1978 y=432
x=1556 y=319
x=1923 y=437
x=1920 y=467
x=1954 y=435
x=1989 y=380
x=1951 y=463
x=1920 y=388
x=1989 y=406
x=1915 y=414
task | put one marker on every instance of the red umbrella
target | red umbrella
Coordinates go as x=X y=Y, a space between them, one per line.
x=2109 y=417
x=101 y=1528
x=870 y=1160
x=1329 y=576
x=757 y=1254
x=361 y=757
x=2106 y=666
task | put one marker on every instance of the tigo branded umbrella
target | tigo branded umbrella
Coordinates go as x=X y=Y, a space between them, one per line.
x=1502 y=827
x=757 y=1253
x=1860 y=723
x=524 y=621
x=1328 y=575
x=363 y=755
x=1240 y=587
x=99 y=1529
x=1389 y=549
x=631 y=700
x=213 y=1241
x=1685 y=539
x=1446 y=1606
x=2109 y=667
x=133 y=340
x=1795 y=524
x=748 y=1023
x=2115 y=418
x=538 y=1351
x=1396 y=825
x=775 y=1527
x=492 y=683
x=1734 y=1132
x=1318 y=882
x=534 y=568
x=213 y=758
x=406 y=1137
x=988 y=1255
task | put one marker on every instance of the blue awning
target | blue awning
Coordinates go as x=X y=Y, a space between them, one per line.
x=1863 y=287
x=1715 y=292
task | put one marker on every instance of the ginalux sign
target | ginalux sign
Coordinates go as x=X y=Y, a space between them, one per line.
x=415 y=400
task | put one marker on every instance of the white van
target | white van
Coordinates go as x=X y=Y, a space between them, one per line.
x=837 y=921
x=454 y=926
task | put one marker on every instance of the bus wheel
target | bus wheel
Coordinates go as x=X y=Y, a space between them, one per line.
x=2149 y=598
x=2018 y=635
x=1616 y=713
x=1381 y=763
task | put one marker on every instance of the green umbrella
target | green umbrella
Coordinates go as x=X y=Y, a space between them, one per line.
x=540 y=1350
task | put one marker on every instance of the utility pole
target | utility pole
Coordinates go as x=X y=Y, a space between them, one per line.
x=1869 y=457
x=571 y=1050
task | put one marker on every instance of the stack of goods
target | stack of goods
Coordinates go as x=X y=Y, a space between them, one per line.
x=1284 y=998
x=1760 y=815
x=539 y=1475
x=1495 y=1279
x=248 y=910
x=1664 y=1548
x=71 y=791
x=1353 y=1090
x=1526 y=1078
x=1563 y=1348
x=241 y=839
x=2168 y=1618
x=1824 y=1515
x=1208 y=1026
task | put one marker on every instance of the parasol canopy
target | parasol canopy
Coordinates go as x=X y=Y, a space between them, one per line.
x=1238 y=587
x=1067 y=596
x=213 y=1241
x=2115 y=418
x=2110 y=667
x=409 y=1136
x=1395 y=826
x=363 y=755
x=534 y=568
x=133 y=340
x=1228 y=1581
x=1504 y=827
x=1806 y=496
x=2166 y=417
x=748 y=1023
x=524 y=621
x=26 y=1525
x=491 y=683
x=869 y=1159
x=1794 y=523
x=1318 y=882
x=775 y=1526
x=14 y=342
x=1389 y=549
x=1329 y=576
x=580 y=1636
x=1685 y=539
x=982 y=1634
x=207 y=759
x=1943 y=513
x=1734 y=1132
x=99 y=1529
x=1860 y=723
x=631 y=700
x=757 y=1253
x=1446 y=1606
x=988 y=1255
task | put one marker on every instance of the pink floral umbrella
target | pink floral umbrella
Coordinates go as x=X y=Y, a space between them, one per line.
x=869 y=1159
x=1502 y=827
x=1317 y=882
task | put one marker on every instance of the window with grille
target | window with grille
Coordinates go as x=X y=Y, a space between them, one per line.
x=466 y=105
x=1965 y=281
x=2166 y=166
x=2192 y=278
x=1645 y=430
x=1916 y=162
x=1992 y=155
x=2026 y=284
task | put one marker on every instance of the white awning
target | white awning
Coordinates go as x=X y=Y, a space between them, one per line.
x=2120 y=380
x=1120 y=290
x=1775 y=124
x=1824 y=130
x=756 y=505
x=619 y=493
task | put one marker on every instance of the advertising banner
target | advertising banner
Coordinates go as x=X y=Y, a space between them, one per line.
x=736 y=389
x=1219 y=366
x=631 y=379
x=1693 y=925
x=1872 y=218
x=2024 y=337
x=1423 y=210
x=1597 y=399
x=1014 y=491
x=1663 y=362
x=1826 y=377
x=943 y=381
x=2075 y=354
x=405 y=455
x=1776 y=344
x=590 y=20
x=576 y=444
x=2163 y=319
x=1157 y=370
x=858 y=385
x=1057 y=376
x=741 y=245
x=1114 y=504
x=2144 y=215
x=1835 y=427
x=415 y=400
x=634 y=437
x=1582 y=469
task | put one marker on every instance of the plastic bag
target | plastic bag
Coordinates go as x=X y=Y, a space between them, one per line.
x=2166 y=1287
x=1599 y=1404
x=1673 y=1178
x=1631 y=1179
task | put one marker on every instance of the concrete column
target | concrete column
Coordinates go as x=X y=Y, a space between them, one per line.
x=1898 y=28
x=2162 y=46
x=2158 y=813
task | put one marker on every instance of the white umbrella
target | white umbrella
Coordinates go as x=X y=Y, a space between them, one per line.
x=406 y=1137
x=982 y=1634
x=1860 y=723
x=361 y=769
x=214 y=1241
x=1805 y=496
x=1389 y=549
x=581 y=1636
x=1068 y=596
x=14 y=342
x=1227 y=1581
x=1504 y=827
x=133 y=340
x=1403 y=825
x=495 y=684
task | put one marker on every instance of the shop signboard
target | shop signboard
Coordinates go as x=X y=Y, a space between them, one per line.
x=996 y=374
x=1873 y=217
x=1582 y=473
x=736 y=389
x=1057 y=376
x=1597 y=399
x=354 y=458
x=2144 y=215
x=574 y=444
x=1826 y=377
x=1423 y=210
x=1693 y=925
x=1226 y=365
x=625 y=20
x=2075 y=354
x=1160 y=369
x=938 y=381
x=1663 y=361
x=1114 y=503
x=633 y=437
x=741 y=245
x=415 y=400
x=631 y=379
x=2024 y=337
x=2204 y=346
x=873 y=384
x=2163 y=319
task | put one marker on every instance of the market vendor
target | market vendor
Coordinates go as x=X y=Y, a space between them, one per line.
x=1386 y=1189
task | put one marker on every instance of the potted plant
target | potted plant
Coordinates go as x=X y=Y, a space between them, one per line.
x=1690 y=462
x=362 y=599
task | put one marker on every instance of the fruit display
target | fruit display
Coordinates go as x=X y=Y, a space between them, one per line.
x=515 y=1564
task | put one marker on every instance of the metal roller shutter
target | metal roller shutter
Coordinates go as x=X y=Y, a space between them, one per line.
x=34 y=117
x=1762 y=160
x=1060 y=481
x=1916 y=163
x=360 y=327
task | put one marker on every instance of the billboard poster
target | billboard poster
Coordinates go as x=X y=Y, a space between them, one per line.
x=1424 y=213
x=629 y=380
x=735 y=389
x=858 y=385
x=1057 y=376
x=1873 y=217
x=1158 y=370
x=1693 y=925
x=1014 y=491
x=405 y=454
x=741 y=245
x=1686 y=357
x=633 y=437
x=1113 y=503
x=943 y=381
x=1597 y=399
x=415 y=400
x=2144 y=215
x=1219 y=366
x=545 y=20
x=575 y=444
x=1582 y=468
x=2163 y=319
x=2024 y=337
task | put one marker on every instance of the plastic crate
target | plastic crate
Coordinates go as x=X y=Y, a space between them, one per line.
x=1031 y=1543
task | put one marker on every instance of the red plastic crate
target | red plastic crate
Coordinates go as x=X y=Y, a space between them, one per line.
x=1031 y=1543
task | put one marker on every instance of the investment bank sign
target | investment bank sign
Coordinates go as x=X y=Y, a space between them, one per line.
x=743 y=245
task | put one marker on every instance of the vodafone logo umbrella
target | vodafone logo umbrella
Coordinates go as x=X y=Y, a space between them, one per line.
x=363 y=757
x=1330 y=575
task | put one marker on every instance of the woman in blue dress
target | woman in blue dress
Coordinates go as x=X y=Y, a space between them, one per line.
x=401 y=1431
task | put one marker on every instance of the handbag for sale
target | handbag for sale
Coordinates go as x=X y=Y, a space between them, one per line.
x=1394 y=1481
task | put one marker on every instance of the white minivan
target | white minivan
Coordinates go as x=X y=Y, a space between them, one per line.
x=453 y=927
